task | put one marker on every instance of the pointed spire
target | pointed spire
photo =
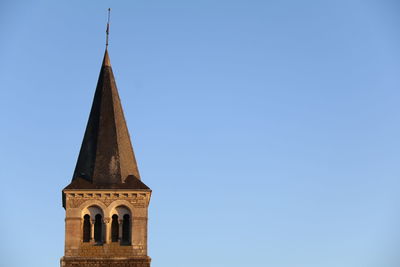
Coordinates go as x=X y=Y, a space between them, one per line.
x=106 y=60
x=106 y=158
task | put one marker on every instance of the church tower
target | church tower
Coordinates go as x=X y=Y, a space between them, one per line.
x=106 y=203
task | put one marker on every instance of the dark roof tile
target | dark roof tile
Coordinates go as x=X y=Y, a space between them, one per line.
x=106 y=158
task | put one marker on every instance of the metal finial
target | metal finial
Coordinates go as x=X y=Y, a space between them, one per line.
x=108 y=27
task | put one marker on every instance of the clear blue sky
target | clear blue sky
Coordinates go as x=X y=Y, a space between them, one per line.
x=269 y=131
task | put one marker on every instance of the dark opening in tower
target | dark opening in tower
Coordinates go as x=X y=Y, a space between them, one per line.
x=98 y=229
x=126 y=230
x=114 y=228
x=86 y=228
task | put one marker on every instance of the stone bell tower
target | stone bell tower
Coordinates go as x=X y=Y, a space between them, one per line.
x=106 y=202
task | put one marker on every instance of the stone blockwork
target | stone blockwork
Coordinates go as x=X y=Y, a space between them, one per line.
x=74 y=199
x=93 y=262
x=107 y=203
x=108 y=250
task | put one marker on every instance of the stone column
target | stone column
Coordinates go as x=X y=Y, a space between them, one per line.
x=120 y=230
x=107 y=232
x=92 y=231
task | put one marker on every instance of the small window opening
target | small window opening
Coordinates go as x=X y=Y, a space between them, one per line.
x=86 y=228
x=114 y=228
x=126 y=230
x=98 y=229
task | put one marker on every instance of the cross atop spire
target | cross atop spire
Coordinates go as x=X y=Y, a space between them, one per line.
x=108 y=27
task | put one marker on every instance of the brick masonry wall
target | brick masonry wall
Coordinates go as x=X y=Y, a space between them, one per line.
x=109 y=250
x=81 y=262
x=77 y=203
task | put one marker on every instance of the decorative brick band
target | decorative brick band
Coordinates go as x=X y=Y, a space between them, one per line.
x=101 y=262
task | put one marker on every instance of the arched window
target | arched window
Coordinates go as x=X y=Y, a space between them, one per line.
x=86 y=228
x=114 y=228
x=98 y=229
x=126 y=230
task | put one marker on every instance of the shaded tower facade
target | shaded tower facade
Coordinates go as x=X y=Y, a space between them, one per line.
x=106 y=203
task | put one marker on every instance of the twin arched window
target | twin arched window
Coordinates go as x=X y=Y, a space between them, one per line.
x=120 y=226
x=98 y=229
x=121 y=229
